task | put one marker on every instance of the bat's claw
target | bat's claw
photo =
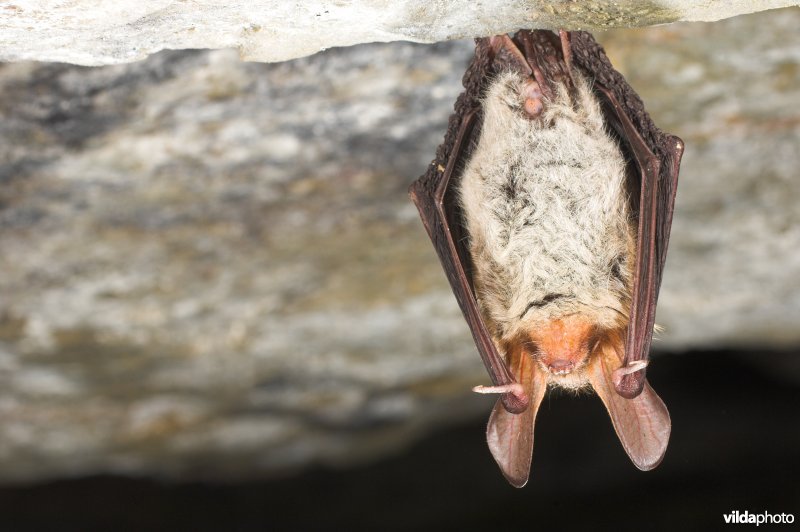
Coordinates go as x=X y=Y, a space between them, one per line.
x=514 y=388
x=503 y=45
x=633 y=367
x=514 y=399
x=626 y=383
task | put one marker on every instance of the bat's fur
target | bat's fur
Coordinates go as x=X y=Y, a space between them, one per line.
x=547 y=213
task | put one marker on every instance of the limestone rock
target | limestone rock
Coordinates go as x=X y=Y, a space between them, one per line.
x=211 y=268
x=96 y=32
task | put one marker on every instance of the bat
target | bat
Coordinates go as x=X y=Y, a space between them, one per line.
x=549 y=204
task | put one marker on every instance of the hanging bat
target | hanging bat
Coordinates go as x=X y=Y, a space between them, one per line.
x=550 y=204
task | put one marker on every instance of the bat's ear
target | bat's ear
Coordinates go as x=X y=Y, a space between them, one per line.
x=642 y=423
x=510 y=436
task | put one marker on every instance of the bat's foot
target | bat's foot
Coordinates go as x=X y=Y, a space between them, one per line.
x=507 y=52
x=566 y=49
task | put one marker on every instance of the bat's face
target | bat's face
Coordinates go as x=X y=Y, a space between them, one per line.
x=562 y=346
x=550 y=233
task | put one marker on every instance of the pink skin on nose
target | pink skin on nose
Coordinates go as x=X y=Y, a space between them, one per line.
x=560 y=367
x=563 y=344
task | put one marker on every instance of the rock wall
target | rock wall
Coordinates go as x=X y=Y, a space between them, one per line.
x=97 y=32
x=210 y=268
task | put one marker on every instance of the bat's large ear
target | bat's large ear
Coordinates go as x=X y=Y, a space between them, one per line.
x=510 y=436
x=642 y=423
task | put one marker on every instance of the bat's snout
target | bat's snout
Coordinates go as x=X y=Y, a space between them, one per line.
x=563 y=344
x=560 y=366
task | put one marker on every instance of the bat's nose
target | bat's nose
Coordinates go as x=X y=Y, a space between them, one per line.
x=560 y=367
x=563 y=344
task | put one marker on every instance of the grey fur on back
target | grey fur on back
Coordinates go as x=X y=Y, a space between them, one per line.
x=547 y=212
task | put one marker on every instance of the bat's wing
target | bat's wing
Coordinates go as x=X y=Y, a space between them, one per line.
x=434 y=196
x=653 y=171
x=510 y=436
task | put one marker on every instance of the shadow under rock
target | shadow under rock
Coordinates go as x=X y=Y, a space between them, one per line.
x=734 y=446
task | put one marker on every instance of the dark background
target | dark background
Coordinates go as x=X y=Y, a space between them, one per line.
x=734 y=446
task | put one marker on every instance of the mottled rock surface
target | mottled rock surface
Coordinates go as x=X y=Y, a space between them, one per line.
x=97 y=32
x=210 y=268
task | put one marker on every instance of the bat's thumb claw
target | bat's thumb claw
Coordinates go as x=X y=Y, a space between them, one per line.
x=514 y=388
x=625 y=380
x=514 y=399
x=633 y=367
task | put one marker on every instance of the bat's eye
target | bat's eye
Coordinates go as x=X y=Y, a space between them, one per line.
x=549 y=298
